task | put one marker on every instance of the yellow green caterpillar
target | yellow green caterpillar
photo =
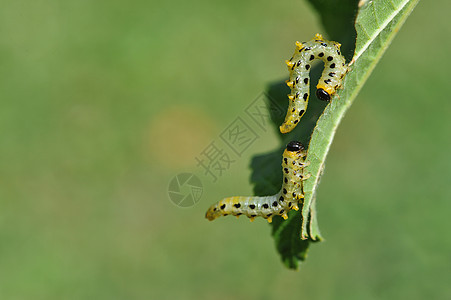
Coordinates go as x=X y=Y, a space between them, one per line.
x=289 y=197
x=299 y=65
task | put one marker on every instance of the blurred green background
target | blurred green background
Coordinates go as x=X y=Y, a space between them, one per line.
x=103 y=102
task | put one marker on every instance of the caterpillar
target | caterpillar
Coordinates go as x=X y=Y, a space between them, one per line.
x=299 y=66
x=290 y=195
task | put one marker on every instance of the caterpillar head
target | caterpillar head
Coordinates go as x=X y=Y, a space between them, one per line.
x=295 y=146
x=322 y=94
x=295 y=150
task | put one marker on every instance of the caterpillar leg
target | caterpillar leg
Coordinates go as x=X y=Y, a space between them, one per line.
x=307 y=176
x=306 y=164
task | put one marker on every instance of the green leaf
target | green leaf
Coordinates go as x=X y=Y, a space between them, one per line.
x=376 y=24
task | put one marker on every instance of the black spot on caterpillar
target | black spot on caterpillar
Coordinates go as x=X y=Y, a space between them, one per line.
x=290 y=195
x=331 y=79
